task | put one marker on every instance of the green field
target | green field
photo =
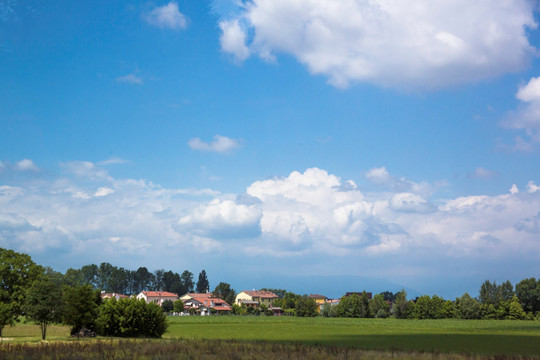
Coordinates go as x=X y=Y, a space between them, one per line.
x=461 y=336
x=278 y=337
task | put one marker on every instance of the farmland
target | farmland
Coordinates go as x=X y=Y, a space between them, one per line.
x=248 y=337
x=449 y=335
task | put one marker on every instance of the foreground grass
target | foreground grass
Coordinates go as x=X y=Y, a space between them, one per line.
x=230 y=337
x=456 y=336
x=208 y=349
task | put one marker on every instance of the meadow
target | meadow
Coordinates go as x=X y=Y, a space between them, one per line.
x=448 y=335
x=229 y=337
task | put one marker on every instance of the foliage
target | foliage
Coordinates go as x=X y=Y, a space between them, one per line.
x=350 y=306
x=427 y=307
x=44 y=303
x=17 y=273
x=400 y=309
x=187 y=281
x=379 y=307
x=528 y=293
x=202 y=284
x=305 y=307
x=468 y=308
x=178 y=306
x=225 y=292
x=81 y=307
x=131 y=318
x=167 y=306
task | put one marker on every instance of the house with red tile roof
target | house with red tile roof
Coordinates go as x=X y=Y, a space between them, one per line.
x=157 y=297
x=204 y=304
x=320 y=300
x=255 y=298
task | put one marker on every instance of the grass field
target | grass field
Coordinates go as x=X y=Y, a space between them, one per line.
x=459 y=336
x=231 y=337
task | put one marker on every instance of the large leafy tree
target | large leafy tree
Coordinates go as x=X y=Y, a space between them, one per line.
x=202 y=284
x=528 y=293
x=81 y=307
x=17 y=273
x=225 y=292
x=44 y=303
x=305 y=307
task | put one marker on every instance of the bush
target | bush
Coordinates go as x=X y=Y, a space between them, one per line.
x=131 y=318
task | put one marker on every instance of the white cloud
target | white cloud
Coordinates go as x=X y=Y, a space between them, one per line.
x=233 y=39
x=26 y=165
x=532 y=187
x=413 y=44
x=130 y=79
x=167 y=16
x=483 y=173
x=527 y=116
x=103 y=191
x=311 y=215
x=223 y=219
x=514 y=189
x=221 y=144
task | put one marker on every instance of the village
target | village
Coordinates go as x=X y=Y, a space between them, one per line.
x=205 y=304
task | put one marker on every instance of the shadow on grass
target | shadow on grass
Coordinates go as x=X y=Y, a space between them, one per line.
x=455 y=343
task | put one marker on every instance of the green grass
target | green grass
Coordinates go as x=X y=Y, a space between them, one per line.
x=31 y=332
x=459 y=336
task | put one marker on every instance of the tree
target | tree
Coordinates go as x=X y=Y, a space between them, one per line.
x=528 y=293
x=17 y=273
x=178 y=306
x=143 y=280
x=505 y=291
x=81 y=307
x=306 y=307
x=225 y=292
x=379 y=307
x=468 y=308
x=515 y=311
x=187 y=281
x=400 y=309
x=350 y=306
x=489 y=294
x=44 y=303
x=167 y=306
x=158 y=280
x=202 y=284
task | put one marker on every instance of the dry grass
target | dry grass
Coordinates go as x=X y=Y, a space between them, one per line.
x=210 y=349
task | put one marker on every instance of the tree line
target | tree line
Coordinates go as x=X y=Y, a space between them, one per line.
x=74 y=298
x=110 y=278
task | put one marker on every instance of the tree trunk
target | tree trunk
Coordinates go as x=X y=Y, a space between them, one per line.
x=43 y=330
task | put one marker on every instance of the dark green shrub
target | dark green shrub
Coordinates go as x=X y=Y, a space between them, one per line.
x=131 y=318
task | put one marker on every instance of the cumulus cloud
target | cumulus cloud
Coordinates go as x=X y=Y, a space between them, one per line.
x=167 y=16
x=130 y=79
x=223 y=219
x=527 y=116
x=381 y=177
x=305 y=215
x=26 y=165
x=233 y=39
x=221 y=144
x=414 y=44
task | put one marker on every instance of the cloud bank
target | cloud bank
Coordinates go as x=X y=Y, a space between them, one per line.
x=84 y=215
x=417 y=44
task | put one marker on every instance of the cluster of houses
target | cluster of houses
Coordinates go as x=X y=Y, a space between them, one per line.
x=207 y=303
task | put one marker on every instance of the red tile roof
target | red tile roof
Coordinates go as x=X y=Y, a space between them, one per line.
x=158 y=294
x=317 y=296
x=262 y=294
x=208 y=299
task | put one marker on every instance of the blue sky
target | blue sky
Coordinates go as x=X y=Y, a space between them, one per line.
x=392 y=143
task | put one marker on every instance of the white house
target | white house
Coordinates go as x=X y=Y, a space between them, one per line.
x=157 y=297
